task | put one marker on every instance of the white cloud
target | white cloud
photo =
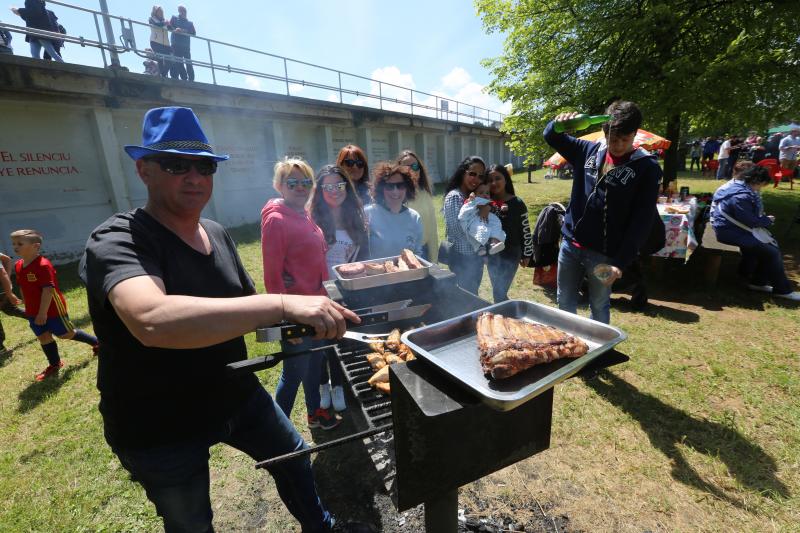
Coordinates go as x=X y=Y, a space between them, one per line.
x=456 y=78
x=253 y=83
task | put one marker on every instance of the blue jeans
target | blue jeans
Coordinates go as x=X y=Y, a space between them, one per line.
x=176 y=476
x=468 y=269
x=762 y=264
x=335 y=375
x=722 y=171
x=501 y=272
x=305 y=368
x=573 y=264
x=38 y=44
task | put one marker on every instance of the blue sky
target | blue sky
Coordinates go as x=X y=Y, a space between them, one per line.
x=434 y=46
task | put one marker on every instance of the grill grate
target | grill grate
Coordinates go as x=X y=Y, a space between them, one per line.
x=377 y=407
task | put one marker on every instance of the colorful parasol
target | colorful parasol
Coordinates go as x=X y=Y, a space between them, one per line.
x=784 y=129
x=644 y=139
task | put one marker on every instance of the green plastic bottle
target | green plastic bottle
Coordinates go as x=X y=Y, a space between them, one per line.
x=580 y=122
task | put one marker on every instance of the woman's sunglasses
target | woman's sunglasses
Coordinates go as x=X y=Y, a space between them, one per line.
x=292 y=183
x=400 y=186
x=178 y=166
x=415 y=166
x=333 y=187
x=353 y=163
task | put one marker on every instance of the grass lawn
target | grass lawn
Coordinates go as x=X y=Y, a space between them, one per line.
x=700 y=431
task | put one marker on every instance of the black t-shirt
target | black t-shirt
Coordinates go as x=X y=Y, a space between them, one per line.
x=519 y=242
x=152 y=396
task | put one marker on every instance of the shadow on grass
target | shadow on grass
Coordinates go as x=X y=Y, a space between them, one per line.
x=668 y=427
x=654 y=310
x=39 y=391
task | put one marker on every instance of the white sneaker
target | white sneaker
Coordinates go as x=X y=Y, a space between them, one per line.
x=793 y=296
x=497 y=248
x=339 y=404
x=325 y=396
x=759 y=288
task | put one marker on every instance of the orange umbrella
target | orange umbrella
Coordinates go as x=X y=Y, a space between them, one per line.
x=644 y=139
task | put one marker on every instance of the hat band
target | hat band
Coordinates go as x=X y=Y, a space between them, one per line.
x=181 y=145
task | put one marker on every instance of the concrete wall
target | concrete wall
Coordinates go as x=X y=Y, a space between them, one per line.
x=63 y=170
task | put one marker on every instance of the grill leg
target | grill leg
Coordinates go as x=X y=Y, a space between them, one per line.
x=441 y=514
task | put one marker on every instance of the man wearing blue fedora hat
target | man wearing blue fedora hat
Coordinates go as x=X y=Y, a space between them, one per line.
x=170 y=302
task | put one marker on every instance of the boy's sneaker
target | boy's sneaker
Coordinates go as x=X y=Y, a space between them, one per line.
x=51 y=370
x=497 y=247
x=338 y=398
x=325 y=396
x=323 y=419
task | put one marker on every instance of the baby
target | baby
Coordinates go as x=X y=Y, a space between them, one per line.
x=482 y=227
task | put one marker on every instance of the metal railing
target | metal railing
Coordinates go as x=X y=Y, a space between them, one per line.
x=380 y=94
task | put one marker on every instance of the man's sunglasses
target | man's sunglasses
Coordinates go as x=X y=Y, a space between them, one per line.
x=292 y=183
x=333 y=187
x=178 y=166
x=400 y=186
x=353 y=163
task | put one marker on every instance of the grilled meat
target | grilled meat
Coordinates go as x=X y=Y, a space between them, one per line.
x=374 y=268
x=410 y=259
x=509 y=346
x=393 y=341
x=381 y=376
x=401 y=264
x=390 y=267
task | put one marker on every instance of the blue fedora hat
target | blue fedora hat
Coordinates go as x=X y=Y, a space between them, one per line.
x=173 y=130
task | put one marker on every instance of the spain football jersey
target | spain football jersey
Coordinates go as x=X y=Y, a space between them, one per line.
x=31 y=279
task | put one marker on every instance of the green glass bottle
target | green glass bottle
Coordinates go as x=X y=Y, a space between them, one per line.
x=580 y=122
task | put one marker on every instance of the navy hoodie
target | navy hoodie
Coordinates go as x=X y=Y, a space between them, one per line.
x=614 y=216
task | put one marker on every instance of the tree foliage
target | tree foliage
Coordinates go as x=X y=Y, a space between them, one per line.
x=701 y=66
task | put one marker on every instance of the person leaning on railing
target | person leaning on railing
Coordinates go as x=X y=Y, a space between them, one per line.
x=5 y=42
x=35 y=16
x=159 y=41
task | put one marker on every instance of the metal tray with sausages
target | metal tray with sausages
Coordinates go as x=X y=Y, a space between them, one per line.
x=378 y=280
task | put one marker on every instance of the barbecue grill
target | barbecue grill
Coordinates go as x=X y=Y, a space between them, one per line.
x=430 y=436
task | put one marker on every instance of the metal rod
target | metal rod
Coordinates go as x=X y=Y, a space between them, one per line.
x=380 y=95
x=286 y=76
x=340 y=87
x=330 y=444
x=441 y=514
x=110 y=40
x=211 y=60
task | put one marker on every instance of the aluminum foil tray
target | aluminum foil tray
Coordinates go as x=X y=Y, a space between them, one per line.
x=378 y=280
x=451 y=346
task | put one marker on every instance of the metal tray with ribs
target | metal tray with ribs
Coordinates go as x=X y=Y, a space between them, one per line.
x=451 y=346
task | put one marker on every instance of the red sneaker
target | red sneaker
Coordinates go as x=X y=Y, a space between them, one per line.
x=51 y=370
x=324 y=419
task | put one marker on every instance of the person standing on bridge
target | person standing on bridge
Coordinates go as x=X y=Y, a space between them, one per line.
x=159 y=41
x=35 y=16
x=182 y=28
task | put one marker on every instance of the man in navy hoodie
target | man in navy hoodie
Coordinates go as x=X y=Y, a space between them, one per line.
x=611 y=209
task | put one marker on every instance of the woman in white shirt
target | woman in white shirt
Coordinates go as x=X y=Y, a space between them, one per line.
x=337 y=210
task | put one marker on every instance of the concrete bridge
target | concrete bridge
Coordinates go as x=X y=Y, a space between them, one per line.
x=62 y=128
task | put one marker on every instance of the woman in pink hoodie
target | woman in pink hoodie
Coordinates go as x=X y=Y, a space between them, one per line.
x=293 y=251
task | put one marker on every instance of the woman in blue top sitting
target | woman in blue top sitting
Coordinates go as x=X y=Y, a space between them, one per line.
x=737 y=208
x=392 y=225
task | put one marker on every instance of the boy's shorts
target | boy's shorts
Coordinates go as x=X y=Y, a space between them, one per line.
x=56 y=326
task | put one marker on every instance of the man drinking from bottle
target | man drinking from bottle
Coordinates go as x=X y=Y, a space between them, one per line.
x=611 y=208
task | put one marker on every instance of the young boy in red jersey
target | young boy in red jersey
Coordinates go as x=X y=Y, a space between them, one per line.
x=45 y=306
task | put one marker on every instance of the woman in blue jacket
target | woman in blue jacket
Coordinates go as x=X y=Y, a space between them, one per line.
x=736 y=204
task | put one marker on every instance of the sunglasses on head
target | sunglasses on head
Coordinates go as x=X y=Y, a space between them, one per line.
x=178 y=166
x=333 y=187
x=400 y=186
x=292 y=183
x=353 y=163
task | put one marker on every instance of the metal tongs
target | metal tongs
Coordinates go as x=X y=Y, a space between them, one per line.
x=376 y=314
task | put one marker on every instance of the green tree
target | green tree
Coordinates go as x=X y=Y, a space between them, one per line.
x=694 y=66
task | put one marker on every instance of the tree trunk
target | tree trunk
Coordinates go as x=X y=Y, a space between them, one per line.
x=671 y=155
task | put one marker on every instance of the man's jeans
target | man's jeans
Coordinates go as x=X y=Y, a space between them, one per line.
x=722 y=171
x=305 y=368
x=468 y=269
x=38 y=44
x=176 y=477
x=501 y=273
x=573 y=264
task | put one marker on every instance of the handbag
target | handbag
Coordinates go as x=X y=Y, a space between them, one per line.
x=546 y=276
x=762 y=234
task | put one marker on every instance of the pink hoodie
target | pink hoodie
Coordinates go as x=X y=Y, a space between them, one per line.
x=293 y=251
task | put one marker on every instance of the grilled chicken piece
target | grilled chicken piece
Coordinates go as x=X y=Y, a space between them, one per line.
x=381 y=376
x=508 y=346
x=393 y=341
x=383 y=387
x=405 y=352
x=377 y=347
x=390 y=267
x=376 y=360
x=401 y=264
x=410 y=259
x=392 y=359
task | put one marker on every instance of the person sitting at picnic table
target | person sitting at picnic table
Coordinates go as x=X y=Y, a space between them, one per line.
x=736 y=211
